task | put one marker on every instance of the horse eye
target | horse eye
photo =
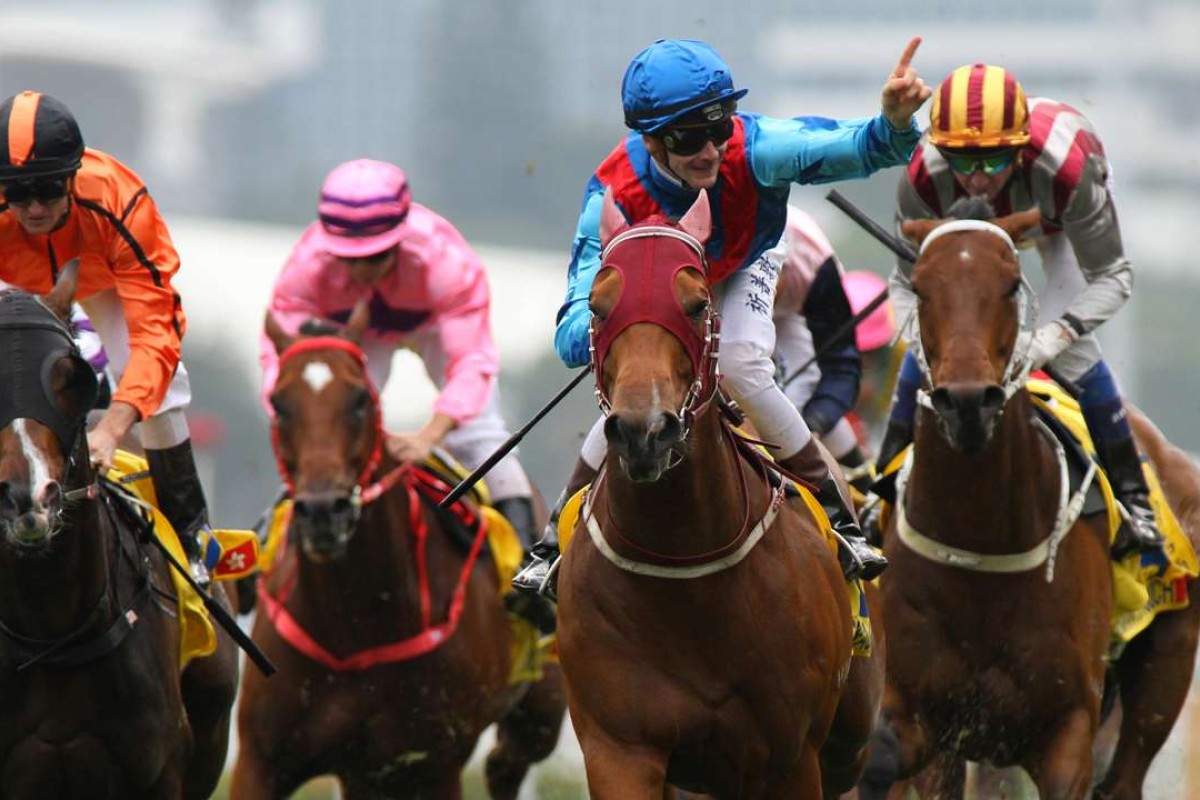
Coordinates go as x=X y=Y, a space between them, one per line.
x=1016 y=287
x=598 y=313
x=280 y=407
x=360 y=403
x=697 y=311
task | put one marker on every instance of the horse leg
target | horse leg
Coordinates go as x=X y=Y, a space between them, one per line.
x=899 y=749
x=616 y=772
x=527 y=734
x=1064 y=770
x=1154 y=675
x=208 y=687
x=804 y=780
x=254 y=778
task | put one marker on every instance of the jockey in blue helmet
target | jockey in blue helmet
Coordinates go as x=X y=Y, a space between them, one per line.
x=680 y=101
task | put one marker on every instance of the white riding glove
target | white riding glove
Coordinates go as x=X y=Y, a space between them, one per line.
x=1049 y=342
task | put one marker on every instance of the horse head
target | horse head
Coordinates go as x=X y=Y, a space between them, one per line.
x=327 y=430
x=973 y=307
x=654 y=335
x=48 y=390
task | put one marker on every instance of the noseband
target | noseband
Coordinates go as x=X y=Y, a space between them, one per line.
x=1016 y=371
x=648 y=258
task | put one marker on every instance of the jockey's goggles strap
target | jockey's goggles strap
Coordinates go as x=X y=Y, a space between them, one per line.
x=960 y=225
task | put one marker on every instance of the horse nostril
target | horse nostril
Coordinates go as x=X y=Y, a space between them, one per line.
x=993 y=399
x=8 y=503
x=51 y=496
x=615 y=430
x=666 y=430
x=942 y=400
x=342 y=507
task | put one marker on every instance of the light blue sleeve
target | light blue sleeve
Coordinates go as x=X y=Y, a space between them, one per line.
x=822 y=150
x=574 y=316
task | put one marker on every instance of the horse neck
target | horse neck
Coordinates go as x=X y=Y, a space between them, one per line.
x=1006 y=494
x=695 y=507
x=44 y=597
x=373 y=589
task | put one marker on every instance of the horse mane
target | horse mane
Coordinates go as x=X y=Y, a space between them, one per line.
x=319 y=327
x=972 y=208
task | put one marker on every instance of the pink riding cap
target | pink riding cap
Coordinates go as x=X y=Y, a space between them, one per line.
x=363 y=207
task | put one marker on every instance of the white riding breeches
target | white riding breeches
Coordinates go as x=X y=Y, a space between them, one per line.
x=472 y=442
x=746 y=301
x=168 y=425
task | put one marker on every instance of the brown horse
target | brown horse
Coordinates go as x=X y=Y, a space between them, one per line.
x=704 y=626
x=94 y=702
x=994 y=655
x=392 y=642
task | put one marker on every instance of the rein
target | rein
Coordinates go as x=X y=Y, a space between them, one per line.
x=662 y=565
x=77 y=648
x=431 y=635
x=1017 y=369
x=367 y=491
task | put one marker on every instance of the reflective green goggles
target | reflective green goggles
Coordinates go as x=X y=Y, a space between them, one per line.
x=989 y=165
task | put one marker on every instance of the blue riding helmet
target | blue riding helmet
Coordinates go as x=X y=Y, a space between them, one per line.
x=672 y=78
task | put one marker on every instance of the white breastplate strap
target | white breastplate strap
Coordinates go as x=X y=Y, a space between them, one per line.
x=692 y=570
x=1046 y=551
x=967 y=225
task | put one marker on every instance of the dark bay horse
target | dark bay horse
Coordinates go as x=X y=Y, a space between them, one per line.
x=994 y=656
x=391 y=638
x=704 y=628
x=94 y=703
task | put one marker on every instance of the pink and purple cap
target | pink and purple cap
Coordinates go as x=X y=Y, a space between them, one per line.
x=363 y=208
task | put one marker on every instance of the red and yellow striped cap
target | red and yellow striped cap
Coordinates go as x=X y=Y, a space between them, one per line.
x=979 y=105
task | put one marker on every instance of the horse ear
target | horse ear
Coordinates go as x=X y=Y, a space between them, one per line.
x=356 y=326
x=276 y=334
x=698 y=219
x=611 y=218
x=59 y=298
x=916 y=230
x=1016 y=225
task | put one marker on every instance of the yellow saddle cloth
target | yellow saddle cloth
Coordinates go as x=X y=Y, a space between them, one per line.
x=528 y=649
x=859 y=613
x=1142 y=586
x=197 y=638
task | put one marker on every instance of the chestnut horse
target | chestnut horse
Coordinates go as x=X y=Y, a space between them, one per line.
x=704 y=628
x=391 y=638
x=95 y=705
x=995 y=655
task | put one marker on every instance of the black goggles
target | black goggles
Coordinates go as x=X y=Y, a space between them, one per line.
x=46 y=191
x=691 y=140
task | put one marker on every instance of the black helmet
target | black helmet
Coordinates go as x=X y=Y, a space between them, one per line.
x=39 y=138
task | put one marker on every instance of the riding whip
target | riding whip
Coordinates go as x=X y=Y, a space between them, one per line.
x=466 y=483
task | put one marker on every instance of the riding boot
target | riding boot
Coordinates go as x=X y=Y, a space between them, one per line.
x=896 y=439
x=535 y=608
x=857 y=557
x=181 y=500
x=536 y=574
x=860 y=473
x=1123 y=464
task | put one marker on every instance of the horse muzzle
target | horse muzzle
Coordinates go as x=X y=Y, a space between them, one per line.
x=324 y=523
x=647 y=445
x=26 y=526
x=967 y=413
